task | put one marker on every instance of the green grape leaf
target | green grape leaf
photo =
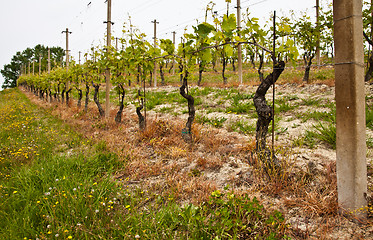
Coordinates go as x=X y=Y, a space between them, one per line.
x=229 y=23
x=206 y=55
x=228 y=49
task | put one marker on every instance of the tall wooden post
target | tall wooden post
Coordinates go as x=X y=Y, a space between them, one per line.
x=155 y=45
x=49 y=60
x=67 y=56
x=350 y=102
x=67 y=48
x=39 y=65
x=173 y=59
x=318 y=37
x=239 y=47
x=108 y=44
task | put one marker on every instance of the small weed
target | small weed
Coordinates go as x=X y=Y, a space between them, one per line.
x=284 y=107
x=304 y=140
x=100 y=125
x=195 y=172
x=227 y=216
x=216 y=122
x=310 y=102
x=324 y=132
x=242 y=127
x=369 y=117
x=165 y=109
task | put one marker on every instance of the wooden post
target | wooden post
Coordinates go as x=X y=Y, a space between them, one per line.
x=155 y=45
x=173 y=59
x=274 y=82
x=67 y=48
x=239 y=47
x=49 y=60
x=350 y=102
x=318 y=37
x=39 y=65
x=108 y=43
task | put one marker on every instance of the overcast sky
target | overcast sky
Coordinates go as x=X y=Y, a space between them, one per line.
x=26 y=23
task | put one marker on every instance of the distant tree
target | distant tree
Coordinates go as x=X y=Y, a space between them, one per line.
x=307 y=34
x=12 y=71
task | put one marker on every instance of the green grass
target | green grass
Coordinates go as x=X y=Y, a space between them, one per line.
x=56 y=184
x=216 y=122
x=315 y=115
x=324 y=132
x=242 y=127
x=369 y=117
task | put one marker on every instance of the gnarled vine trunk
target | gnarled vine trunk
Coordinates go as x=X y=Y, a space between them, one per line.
x=265 y=112
x=118 y=117
x=80 y=96
x=68 y=96
x=223 y=71
x=86 y=96
x=187 y=131
x=308 y=62
x=142 y=123
x=369 y=72
x=50 y=95
x=63 y=95
x=162 y=73
x=200 y=71
x=95 y=98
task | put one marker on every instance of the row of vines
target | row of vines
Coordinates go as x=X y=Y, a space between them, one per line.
x=210 y=42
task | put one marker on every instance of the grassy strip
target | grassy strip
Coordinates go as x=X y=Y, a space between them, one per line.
x=56 y=185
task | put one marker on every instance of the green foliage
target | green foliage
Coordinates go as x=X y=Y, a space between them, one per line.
x=229 y=24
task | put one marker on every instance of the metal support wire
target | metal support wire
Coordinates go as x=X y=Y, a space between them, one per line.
x=273 y=75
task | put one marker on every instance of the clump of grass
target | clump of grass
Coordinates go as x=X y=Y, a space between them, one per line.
x=324 y=132
x=369 y=117
x=310 y=102
x=284 y=107
x=230 y=216
x=315 y=115
x=216 y=122
x=242 y=127
x=304 y=140
x=238 y=104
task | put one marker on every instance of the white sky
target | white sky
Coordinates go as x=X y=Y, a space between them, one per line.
x=25 y=23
